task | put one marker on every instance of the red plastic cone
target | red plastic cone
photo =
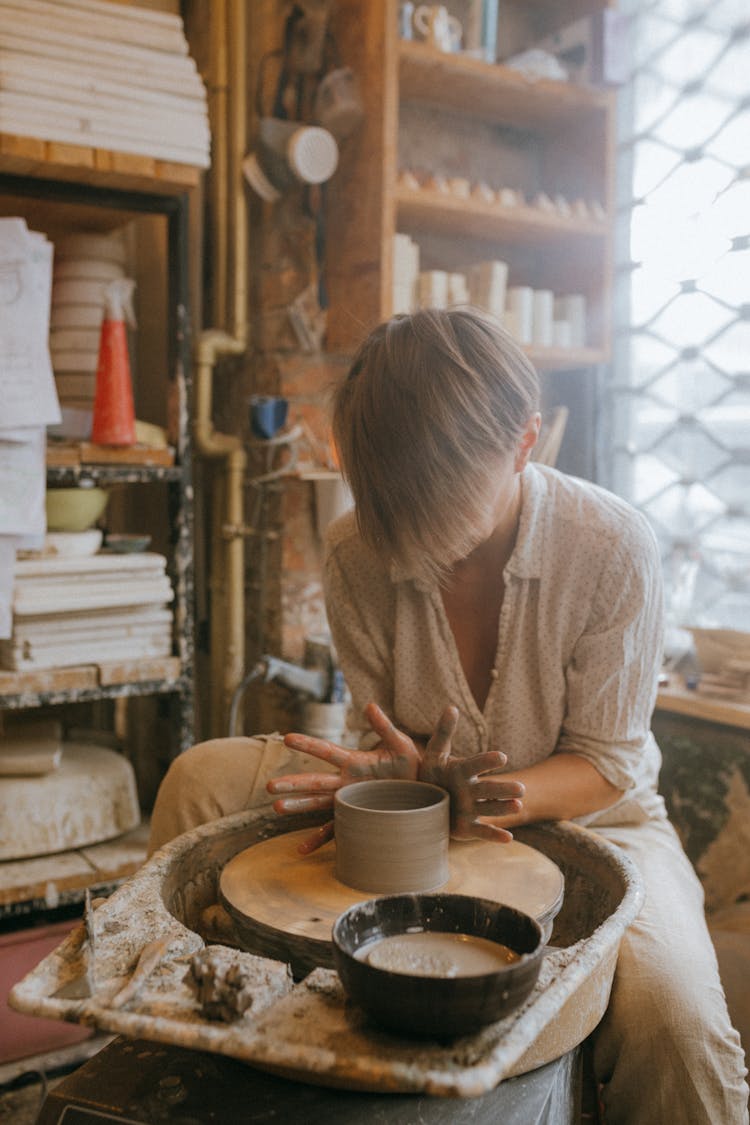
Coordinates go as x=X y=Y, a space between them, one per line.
x=114 y=413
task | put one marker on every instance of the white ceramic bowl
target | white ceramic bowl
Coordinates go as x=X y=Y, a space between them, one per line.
x=79 y=544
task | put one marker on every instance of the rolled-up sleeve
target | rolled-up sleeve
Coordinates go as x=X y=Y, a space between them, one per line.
x=613 y=674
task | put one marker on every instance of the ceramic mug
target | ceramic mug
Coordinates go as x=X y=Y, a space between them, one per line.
x=338 y=102
x=438 y=27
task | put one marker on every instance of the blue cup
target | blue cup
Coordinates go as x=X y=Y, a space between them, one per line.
x=267 y=415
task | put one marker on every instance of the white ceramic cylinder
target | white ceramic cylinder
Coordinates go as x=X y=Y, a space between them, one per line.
x=392 y=836
x=521 y=303
x=544 y=303
x=432 y=288
x=562 y=336
x=572 y=307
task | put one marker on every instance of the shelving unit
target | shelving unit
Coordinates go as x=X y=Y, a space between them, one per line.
x=98 y=195
x=451 y=115
x=57 y=188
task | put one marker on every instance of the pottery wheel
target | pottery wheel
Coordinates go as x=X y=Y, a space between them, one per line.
x=271 y=890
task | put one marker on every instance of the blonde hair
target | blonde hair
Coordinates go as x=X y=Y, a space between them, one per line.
x=431 y=402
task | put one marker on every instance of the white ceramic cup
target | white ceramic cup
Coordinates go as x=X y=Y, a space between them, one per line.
x=392 y=836
x=438 y=27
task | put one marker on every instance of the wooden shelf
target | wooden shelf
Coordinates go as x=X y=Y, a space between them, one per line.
x=67 y=453
x=31 y=884
x=492 y=91
x=112 y=474
x=564 y=359
x=83 y=683
x=447 y=115
x=680 y=701
x=446 y=214
x=95 y=167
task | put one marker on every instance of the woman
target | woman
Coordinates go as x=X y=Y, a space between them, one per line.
x=490 y=613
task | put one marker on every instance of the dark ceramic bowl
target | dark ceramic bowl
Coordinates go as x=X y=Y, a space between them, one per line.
x=438 y=1007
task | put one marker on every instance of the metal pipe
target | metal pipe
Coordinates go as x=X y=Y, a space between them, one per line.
x=218 y=179
x=227 y=665
x=229 y=273
x=237 y=209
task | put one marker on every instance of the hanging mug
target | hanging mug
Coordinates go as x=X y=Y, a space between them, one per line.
x=438 y=27
x=338 y=102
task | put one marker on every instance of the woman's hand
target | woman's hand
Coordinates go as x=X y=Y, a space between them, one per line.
x=477 y=802
x=397 y=756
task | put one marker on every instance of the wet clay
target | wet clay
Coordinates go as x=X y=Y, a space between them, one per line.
x=392 y=836
x=431 y=954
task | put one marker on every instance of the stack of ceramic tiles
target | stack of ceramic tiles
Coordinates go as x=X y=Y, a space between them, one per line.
x=102 y=74
x=69 y=610
x=84 y=265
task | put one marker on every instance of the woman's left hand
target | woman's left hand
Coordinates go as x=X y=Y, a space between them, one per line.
x=477 y=802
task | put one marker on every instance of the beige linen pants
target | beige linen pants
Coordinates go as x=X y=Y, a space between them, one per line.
x=665 y=1050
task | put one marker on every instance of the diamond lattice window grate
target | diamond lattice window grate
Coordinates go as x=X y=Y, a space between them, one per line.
x=678 y=401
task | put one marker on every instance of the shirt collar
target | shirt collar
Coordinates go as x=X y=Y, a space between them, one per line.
x=526 y=560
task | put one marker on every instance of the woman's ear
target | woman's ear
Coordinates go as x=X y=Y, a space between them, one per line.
x=527 y=441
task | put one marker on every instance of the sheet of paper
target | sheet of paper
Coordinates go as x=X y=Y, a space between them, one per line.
x=7 y=566
x=27 y=385
x=23 y=484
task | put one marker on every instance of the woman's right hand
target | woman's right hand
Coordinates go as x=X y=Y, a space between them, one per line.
x=397 y=756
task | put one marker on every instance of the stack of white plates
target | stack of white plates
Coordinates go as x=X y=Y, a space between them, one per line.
x=84 y=610
x=84 y=265
x=108 y=75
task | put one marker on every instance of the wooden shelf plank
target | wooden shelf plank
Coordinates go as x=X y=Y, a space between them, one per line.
x=565 y=359
x=29 y=156
x=48 y=680
x=89 y=681
x=680 y=701
x=86 y=453
x=50 y=879
x=446 y=214
x=111 y=474
x=492 y=91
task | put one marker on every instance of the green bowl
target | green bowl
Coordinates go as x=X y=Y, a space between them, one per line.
x=75 y=509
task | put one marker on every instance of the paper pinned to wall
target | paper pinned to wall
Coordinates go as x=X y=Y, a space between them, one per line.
x=22 y=484
x=27 y=385
x=28 y=398
x=7 y=568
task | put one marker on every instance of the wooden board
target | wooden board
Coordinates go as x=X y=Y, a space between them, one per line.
x=89 y=677
x=78 y=678
x=271 y=888
x=137 y=671
x=50 y=876
x=86 y=453
x=95 y=166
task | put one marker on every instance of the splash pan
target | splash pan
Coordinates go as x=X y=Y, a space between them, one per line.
x=308 y=1031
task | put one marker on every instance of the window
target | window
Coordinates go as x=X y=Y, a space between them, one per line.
x=679 y=397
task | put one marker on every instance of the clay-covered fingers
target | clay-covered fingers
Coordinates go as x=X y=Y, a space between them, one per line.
x=304 y=803
x=304 y=783
x=319 y=748
x=480 y=763
x=316 y=839
x=496 y=789
x=482 y=831
x=438 y=749
x=394 y=740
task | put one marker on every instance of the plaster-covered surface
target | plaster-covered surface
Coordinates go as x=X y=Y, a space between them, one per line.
x=309 y=1030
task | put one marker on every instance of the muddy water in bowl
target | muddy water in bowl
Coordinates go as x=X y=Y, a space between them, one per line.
x=392 y=836
x=437 y=955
